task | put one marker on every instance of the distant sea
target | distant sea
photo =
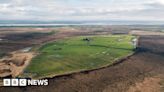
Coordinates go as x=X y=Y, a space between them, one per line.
x=8 y=23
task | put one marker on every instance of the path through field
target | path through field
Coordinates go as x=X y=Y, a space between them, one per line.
x=143 y=72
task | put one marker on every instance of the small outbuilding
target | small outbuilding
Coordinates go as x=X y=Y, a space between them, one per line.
x=135 y=42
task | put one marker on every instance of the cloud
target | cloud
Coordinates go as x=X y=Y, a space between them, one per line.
x=160 y=2
x=82 y=9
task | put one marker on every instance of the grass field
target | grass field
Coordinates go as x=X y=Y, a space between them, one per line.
x=76 y=54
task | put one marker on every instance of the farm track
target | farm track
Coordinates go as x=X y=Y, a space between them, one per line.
x=142 y=72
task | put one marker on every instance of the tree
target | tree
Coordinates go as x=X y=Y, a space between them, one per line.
x=87 y=40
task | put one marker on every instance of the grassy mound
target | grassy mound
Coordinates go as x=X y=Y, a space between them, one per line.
x=79 y=53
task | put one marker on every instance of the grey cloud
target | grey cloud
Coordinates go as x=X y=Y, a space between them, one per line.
x=52 y=9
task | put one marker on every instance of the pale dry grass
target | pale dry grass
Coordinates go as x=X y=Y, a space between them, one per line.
x=141 y=33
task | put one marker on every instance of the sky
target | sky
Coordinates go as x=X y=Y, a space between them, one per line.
x=77 y=10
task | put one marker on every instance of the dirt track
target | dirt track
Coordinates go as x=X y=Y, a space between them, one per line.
x=143 y=72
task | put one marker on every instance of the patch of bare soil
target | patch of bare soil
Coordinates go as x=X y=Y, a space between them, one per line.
x=14 y=64
x=148 y=85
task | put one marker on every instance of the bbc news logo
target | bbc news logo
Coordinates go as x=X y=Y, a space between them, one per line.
x=24 y=82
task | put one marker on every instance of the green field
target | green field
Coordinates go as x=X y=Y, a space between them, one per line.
x=76 y=54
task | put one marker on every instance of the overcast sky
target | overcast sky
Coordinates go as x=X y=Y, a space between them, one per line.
x=82 y=10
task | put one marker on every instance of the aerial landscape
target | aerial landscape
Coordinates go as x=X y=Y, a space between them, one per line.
x=83 y=46
x=77 y=56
